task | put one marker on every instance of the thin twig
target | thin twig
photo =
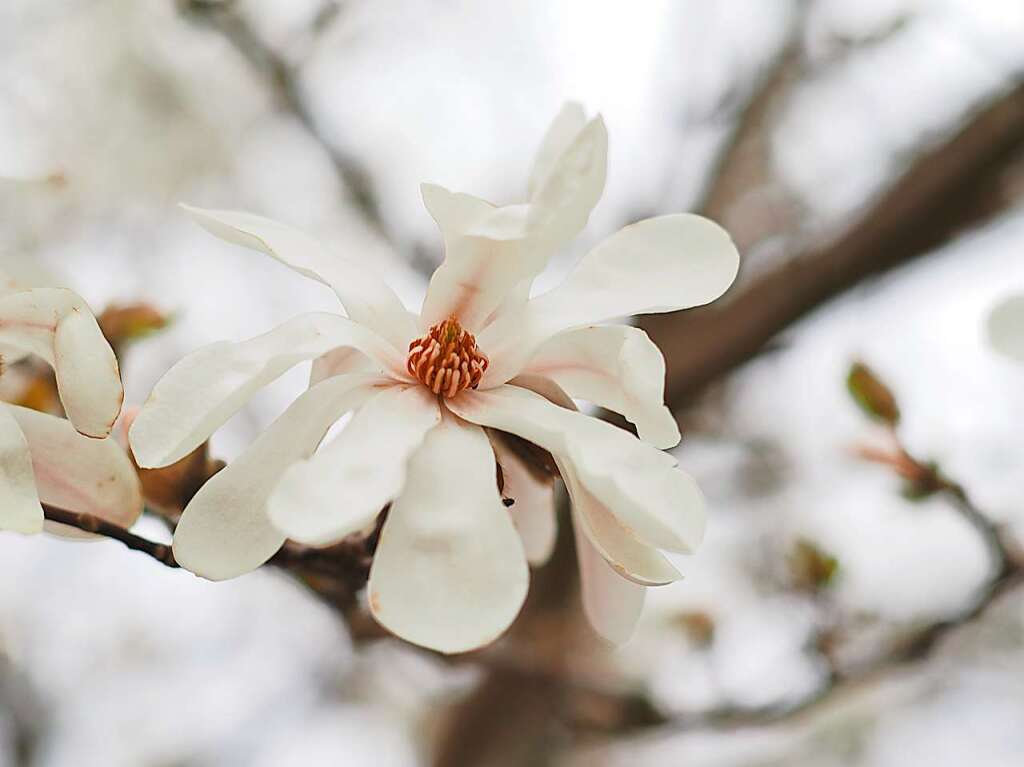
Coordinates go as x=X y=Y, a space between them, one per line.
x=90 y=523
x=284 y=84
x=346 y=564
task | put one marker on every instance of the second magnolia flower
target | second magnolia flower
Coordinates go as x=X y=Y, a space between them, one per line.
x=429 y=391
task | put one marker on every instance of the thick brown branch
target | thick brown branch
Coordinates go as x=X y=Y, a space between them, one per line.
x=955 y=185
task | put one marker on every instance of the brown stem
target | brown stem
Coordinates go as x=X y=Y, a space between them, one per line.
x=90 y=523
x=336 y=572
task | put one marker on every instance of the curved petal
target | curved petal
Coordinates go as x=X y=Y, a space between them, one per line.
x=367 y=298
x=204 y=389
x=533 y=510
x=225 y=531
x=561 y=200
x=658 y=265
x=612 y=604
x=1006 y=327
x=493 y=254
x=345 y=485
x=336 y=362
x=449 y=573
x=563 y=130
x=628 y=557
x=487 y=252
x=644 y=488
x=57 y=325
x=78 y=473
x=19 y=502
x=615 y=367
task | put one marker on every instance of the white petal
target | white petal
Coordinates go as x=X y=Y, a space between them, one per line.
x=616 y=367
x=19 y=503
x=644 y=488
x=559 y=137
x=533 y=512
x=367 y=298
x=78 y=473
x=560 y=204
x=207 y=387
x=339 y=362
x=612 y=604
x=224 y=531
x=449 y=573
x=487 y=252
x=493 y=254
x=346 y=484
x=57 y=325
x=626 y=555
x=1006 y=327
x=658 y=265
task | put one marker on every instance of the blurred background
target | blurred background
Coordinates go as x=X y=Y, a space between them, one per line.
x=857 y=601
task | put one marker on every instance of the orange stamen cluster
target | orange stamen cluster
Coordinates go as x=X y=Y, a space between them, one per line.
x=446 y=360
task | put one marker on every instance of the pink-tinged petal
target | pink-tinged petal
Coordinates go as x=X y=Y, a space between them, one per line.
x=449 y=573
x=1006 y=327
x=58 y=326
x=19 y=503
x=204 y=389
x=339 y=362
x=658 y=265
x=493 y=254
x=642 y=487
x=615 y=367
x=487 y=252
x=565 y=184
x=225 y=531
x=533 y=512
x=612 y=604
x=345 y=485
x=78 y=473
x=365 y=296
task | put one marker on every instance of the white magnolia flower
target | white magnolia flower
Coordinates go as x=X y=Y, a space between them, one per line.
x=63 y=462
x=1006 y=327
x=450 y=571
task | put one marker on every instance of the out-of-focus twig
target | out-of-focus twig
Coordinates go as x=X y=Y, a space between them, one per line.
x=955 y=185
x=923 y=479
x=285 y=85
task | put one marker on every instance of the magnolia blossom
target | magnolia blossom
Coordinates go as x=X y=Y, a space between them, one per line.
x=63 y=462
x=431 y=393
x=1006 y=327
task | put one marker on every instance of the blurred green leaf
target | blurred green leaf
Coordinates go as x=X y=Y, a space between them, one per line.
x=873 y=396
x=811 y=568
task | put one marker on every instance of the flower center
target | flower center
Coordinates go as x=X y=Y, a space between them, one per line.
x=446 y=360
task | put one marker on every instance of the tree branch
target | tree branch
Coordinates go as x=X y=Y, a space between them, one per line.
x=284 y=84
x=89 y=523
x=955 y=185
x=335 y=572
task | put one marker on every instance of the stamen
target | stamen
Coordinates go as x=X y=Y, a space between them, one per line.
x=446 y=360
